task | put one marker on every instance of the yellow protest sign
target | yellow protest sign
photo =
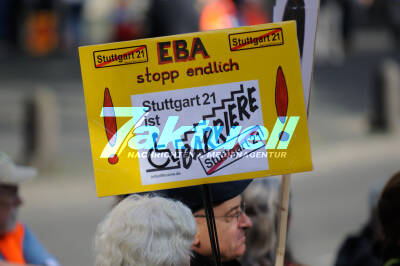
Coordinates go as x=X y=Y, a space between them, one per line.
x=195 y=108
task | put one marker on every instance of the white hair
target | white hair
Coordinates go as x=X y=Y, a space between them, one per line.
x=262 y=205
x=145 y=231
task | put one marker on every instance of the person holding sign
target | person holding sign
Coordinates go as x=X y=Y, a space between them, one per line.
x=230 y=219
x=143 y=231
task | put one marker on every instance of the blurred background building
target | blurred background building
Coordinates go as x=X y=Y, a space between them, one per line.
x=354 y=118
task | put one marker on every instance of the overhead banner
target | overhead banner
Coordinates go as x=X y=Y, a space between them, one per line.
x=196 y=108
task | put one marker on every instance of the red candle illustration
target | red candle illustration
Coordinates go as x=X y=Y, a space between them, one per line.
x=110 y=124
x=281 y=98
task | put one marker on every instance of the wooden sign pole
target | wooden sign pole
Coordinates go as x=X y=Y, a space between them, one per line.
x=295 y=10
x=283 y=219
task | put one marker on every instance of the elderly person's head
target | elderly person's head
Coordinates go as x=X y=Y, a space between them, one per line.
x=145 y=231
x=230 y=219
x=11 y=176
x=262 y=199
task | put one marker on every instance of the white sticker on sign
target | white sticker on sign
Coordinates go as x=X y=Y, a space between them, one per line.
x=185 y=147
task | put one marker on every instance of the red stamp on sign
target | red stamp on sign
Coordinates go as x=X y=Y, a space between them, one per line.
x=255 y=39
x=120 y=56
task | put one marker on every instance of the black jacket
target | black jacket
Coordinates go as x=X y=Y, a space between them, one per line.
x=391 y=255
x=358 y=250
x=198 y=260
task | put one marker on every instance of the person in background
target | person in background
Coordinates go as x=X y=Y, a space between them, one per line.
x=359 y=249
x=18 y=245
x=389 y=219
x=252 y=12
x=172 y=17
x=218 y=14
x=262 y=198
x=230 y=219
x=145 y=230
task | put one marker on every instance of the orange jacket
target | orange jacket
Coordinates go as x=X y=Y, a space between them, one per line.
x=11 y=245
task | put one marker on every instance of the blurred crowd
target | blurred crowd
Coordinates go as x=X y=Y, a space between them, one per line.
x=41 y=27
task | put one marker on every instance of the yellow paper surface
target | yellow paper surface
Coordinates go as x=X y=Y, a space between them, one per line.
x=227 y=77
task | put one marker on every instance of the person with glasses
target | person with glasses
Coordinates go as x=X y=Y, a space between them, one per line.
x=18 y=245
x=230 y=219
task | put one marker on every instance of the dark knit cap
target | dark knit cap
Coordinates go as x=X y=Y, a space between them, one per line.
x=389 y=208
x=220 y=192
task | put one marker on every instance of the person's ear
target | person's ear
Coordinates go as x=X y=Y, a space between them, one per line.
x=196 y=242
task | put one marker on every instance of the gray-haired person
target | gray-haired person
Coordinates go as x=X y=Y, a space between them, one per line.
x=145 y=231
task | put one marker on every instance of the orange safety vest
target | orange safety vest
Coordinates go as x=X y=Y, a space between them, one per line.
x=11 y=245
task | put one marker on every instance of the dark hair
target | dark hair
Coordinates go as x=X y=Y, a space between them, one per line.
x=389 y=209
